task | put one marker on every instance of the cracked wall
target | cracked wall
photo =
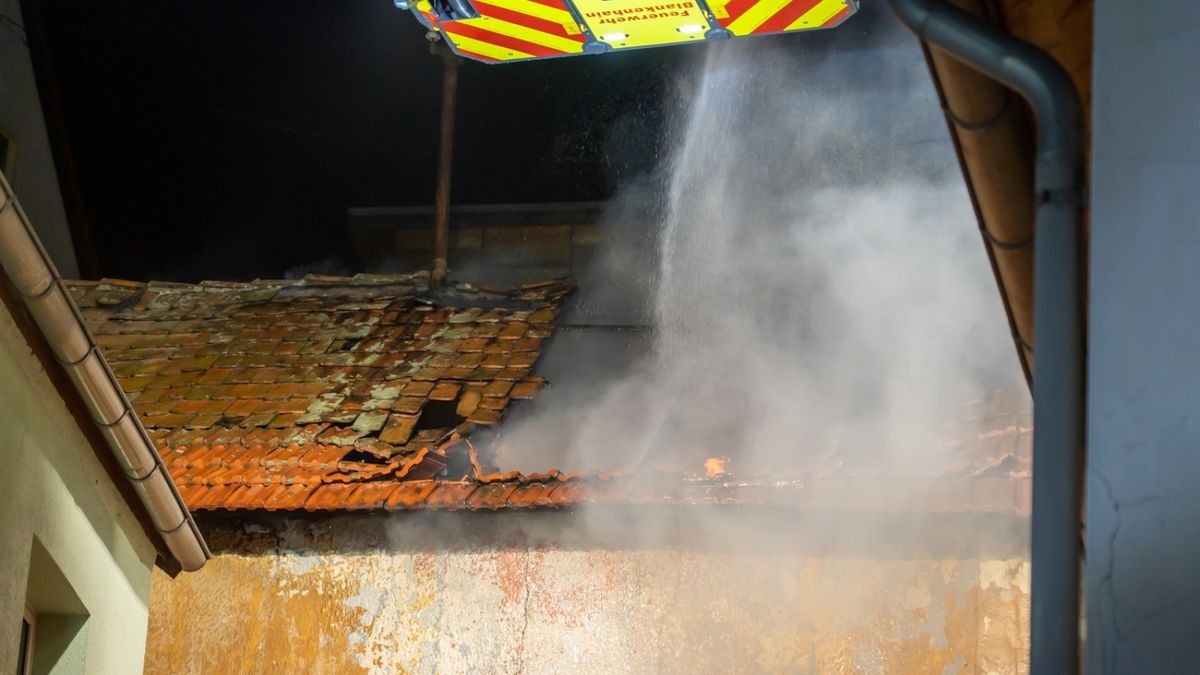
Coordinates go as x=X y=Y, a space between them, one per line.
x=548 y=592
x=1143 y=513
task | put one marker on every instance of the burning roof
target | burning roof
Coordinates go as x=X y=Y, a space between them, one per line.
x=335 y=393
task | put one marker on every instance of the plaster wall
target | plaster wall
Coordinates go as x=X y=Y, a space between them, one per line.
x=1143 y=515
x=54 y=489
x=554 y=592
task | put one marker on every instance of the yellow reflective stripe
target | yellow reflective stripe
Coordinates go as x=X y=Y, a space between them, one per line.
x=817 y=16
x=537 y=9
x=488 y=49
x=527 y=34
x=755 y=16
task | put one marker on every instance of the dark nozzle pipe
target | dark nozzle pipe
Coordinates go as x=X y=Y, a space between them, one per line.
x=1058 y=371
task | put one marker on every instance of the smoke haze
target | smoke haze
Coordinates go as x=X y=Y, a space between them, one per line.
x=811 y=274
x=800 y=285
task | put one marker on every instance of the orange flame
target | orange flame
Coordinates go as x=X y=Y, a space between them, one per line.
x=715 y=466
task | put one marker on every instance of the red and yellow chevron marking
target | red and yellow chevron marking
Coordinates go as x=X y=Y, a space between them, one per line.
x=511 y=30
x=755 y=17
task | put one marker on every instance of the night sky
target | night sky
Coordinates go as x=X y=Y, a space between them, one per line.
x=225 y=140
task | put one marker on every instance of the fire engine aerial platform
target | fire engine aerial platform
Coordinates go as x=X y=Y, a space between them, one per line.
x=498 y=31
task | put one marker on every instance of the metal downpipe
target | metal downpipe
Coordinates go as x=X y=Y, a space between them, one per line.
x=1058 y=372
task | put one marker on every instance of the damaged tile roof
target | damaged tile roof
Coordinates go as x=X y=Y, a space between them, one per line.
x=342 y=382
x=335 y=393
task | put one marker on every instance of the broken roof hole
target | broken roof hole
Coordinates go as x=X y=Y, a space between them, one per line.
x=439 y=415
x=356 y=455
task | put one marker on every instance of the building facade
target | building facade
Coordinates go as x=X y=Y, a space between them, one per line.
x=71 y=546
x=332 y=437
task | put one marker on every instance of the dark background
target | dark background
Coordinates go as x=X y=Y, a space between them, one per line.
x=225 y=140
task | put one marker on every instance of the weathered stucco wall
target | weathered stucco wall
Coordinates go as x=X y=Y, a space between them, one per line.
x=53 y=487
x=672 y=592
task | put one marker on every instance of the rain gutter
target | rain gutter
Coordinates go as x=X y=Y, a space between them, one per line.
x=1059 y=320
x=42 y=291
x=990 y=131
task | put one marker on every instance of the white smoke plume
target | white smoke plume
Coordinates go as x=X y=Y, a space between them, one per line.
x=819 y=285
x=815 y=288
